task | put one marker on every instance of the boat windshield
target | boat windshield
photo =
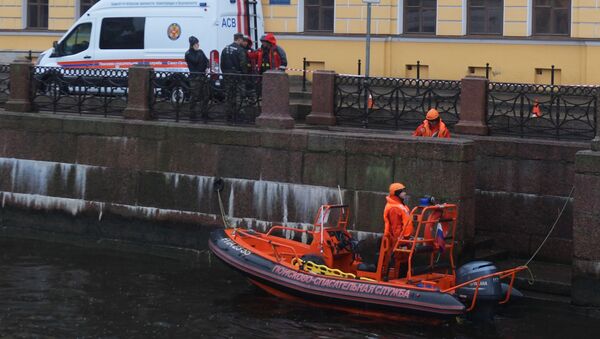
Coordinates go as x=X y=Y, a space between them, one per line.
x=331 y=216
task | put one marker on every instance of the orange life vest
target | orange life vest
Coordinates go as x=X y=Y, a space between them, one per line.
x=425 y=130
x=404 y=229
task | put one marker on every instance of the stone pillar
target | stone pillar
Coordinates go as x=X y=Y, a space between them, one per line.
x=586 y=230
x=20 y=86
x=473 y=106
x=139 y=95
x=323 y=91
x=596 y=142
x=275 y=107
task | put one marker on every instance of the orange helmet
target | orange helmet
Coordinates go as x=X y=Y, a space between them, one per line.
x=432 y=114
x=395 y=187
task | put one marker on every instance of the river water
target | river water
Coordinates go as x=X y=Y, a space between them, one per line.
x=52 y=290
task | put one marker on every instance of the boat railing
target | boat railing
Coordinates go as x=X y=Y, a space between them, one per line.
x=477 y=281
x=410 y=245
x=274 y=244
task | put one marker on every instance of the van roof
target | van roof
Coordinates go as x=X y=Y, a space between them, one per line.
x=104 y=4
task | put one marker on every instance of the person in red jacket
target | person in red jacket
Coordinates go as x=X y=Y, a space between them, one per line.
x=270 y=55
x=432 y=126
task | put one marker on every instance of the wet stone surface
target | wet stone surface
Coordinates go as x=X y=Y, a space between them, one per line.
x=50 y=290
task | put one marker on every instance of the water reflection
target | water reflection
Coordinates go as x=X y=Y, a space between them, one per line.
x=50 y=290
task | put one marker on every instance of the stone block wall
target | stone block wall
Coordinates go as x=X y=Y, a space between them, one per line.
x=165 y=171
x=521 y=187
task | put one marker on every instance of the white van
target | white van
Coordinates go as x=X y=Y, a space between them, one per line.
x=121 y=33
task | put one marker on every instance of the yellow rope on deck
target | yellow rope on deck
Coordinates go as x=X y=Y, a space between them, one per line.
x=311 y=267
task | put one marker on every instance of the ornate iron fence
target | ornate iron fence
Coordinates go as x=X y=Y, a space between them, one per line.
x=545 y=111
x=83 y=91
x=4 y=84
x=393 y=103
x=230 y=98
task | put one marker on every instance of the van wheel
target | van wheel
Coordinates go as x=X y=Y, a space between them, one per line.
x=178 y=95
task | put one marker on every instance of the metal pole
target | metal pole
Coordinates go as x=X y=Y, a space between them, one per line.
x=552 y=76
x=358 y=67
x=418 y=69
x=303 y=74
x=487 y=70
x=367 y=64
x=368 y=52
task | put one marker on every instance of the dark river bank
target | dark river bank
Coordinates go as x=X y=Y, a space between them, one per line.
x=52 y=290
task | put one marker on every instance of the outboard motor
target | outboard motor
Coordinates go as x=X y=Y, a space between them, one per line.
x=489 y=288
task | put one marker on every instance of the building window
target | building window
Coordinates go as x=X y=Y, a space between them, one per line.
x=420 y=16
x=37 y=14
x=485 y=16
x=84 y=5
x=318 y=15
x=551 y=17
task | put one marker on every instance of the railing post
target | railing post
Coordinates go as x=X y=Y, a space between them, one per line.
x=418 y=69
x=303 y=74
x=552 y=75
x=473 y=106
x=139 y=93
x=275 y=110
x=595 y=144
x=358 y=67
x=487 y=70
x=323 y=92
x=20 y=86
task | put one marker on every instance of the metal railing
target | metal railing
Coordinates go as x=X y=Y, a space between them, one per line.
x=393 y=103
x=542 y=111
x=82 y=91
x=229 y=98
x=4 y=84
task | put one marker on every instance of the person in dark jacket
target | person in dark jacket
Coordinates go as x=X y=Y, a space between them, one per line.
x=197 y=63
x=233 y=56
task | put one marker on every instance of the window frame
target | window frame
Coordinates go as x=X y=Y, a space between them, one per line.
x=405 y=20
x=321 y=8
x=39 y=17
x=487 y=26
x=82 y=3
x=552 y=9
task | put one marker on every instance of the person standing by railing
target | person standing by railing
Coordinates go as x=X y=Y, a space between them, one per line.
x=270 y=55
x=197 y=63
x=432 y=126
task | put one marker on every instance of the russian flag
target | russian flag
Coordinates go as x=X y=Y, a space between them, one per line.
x=439 y=238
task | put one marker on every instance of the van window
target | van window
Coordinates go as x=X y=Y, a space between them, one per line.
x=77 y=41
x=122 y=33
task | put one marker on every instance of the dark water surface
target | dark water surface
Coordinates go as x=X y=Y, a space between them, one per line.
x=51 y=290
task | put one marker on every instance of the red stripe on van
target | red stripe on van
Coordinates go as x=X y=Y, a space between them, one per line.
x=239 y=16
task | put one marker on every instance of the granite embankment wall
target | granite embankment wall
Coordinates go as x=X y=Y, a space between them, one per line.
x=101 y=169
x=521 y=186
x=126 y=171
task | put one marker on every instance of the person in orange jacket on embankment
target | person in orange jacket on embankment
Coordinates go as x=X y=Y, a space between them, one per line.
x=432 y=126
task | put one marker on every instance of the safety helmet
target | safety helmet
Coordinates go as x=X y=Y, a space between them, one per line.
x=432 y=114
x=395 y=187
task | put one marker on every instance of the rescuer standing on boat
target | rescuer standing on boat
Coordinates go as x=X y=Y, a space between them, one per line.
x=396 y=214
x=432 y=126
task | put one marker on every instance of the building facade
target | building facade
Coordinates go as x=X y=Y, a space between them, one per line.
x=519 y=40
